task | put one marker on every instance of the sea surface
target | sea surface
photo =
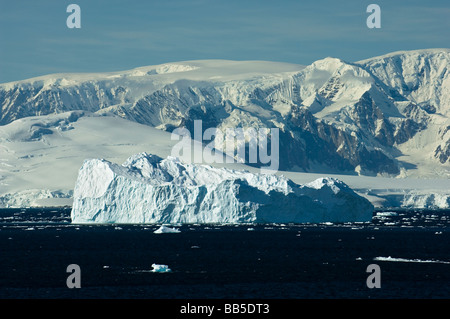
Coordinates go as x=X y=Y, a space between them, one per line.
x=274 y=261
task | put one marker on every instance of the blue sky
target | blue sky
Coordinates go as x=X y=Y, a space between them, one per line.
x=119 y=35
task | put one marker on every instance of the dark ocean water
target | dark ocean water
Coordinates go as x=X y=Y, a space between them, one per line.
x=286 y=261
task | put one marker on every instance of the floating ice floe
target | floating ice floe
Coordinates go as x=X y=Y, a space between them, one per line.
x=160 y=268
x=166 y=230
x=387 y=214
x=405 y=260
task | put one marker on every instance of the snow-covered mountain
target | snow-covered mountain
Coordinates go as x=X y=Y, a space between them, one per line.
x=421 y=78
x=387 y=115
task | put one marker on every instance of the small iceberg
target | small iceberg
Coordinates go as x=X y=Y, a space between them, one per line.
x=160 y=268
x=166 y=230
x=387 y=214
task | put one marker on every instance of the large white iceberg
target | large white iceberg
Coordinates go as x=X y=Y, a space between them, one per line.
x=149 y=189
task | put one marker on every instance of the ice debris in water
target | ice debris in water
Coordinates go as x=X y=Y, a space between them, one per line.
x=160 y=268
x=166 y=230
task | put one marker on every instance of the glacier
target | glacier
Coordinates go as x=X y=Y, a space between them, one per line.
x=149 y=189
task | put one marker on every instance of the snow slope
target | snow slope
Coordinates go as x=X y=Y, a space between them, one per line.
x=40 y=156
x=149 y=189
x=93 y=92
x=421 y=77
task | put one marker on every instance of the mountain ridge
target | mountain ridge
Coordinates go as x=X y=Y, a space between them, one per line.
x=371 y=117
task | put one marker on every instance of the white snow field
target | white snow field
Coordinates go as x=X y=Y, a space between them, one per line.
x=42 y=170
x=149 y=189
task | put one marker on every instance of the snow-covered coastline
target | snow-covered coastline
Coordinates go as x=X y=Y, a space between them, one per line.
x=42 y=172
x=415 y=195
x=328 y=113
